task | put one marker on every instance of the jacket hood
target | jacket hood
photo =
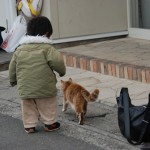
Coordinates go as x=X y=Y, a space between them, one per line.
x=34 y=39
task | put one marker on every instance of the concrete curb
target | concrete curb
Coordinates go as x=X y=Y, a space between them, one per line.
x=107 y=67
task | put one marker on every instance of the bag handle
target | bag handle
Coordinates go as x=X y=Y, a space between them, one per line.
x=145 y=121
x=126 y=100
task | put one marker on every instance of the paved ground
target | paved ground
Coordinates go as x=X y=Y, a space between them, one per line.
x=12 y=137
x=101 y=126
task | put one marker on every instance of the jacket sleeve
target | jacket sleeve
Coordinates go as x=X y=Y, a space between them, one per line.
x=12 y=69
x=56 y=62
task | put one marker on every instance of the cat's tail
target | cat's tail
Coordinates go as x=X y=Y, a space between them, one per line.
x=90 y=97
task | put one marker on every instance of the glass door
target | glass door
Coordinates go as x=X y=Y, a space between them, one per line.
x=139 y=18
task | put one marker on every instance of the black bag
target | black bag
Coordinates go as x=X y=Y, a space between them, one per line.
x=133 y=120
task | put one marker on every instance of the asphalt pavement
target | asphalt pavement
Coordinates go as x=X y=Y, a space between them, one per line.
x=100 y=130
x=13 y=137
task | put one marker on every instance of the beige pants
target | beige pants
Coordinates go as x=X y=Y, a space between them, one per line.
x=34 y=110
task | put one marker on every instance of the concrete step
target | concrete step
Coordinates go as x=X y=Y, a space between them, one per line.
x=4 y=60
x=107 y=67
x=124 y=58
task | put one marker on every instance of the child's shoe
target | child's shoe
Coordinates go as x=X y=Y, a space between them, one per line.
x=52 y=127
x=30 y=130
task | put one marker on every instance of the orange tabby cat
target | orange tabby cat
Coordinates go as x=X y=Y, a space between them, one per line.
x=78 y=97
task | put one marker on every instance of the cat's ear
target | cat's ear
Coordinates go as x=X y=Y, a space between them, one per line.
x=70 y=79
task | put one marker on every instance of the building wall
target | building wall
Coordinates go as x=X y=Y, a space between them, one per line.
x=72 y=18
x=76 y=18
x=2 y=16
x=7 y=13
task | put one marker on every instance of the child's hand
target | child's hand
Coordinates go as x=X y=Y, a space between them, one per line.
x=13 y=83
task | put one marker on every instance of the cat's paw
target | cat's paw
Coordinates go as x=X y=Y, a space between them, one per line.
x=63 y=110
x=80 y=123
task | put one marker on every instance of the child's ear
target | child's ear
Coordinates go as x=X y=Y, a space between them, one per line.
x=47 y=35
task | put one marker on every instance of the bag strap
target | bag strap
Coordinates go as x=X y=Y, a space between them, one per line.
x=126 y=100
x=125 y=97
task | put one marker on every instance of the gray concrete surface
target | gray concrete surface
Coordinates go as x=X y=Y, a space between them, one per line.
x=4 y=60
x=101 y=126
x=4 y=56
x=126 y=50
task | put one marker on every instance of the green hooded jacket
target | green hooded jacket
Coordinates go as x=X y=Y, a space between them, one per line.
x=33 y=65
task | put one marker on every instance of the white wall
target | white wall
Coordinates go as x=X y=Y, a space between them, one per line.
x=72 y=19
x=8 y=14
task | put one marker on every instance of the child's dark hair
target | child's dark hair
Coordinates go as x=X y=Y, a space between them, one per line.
x=39 y=26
